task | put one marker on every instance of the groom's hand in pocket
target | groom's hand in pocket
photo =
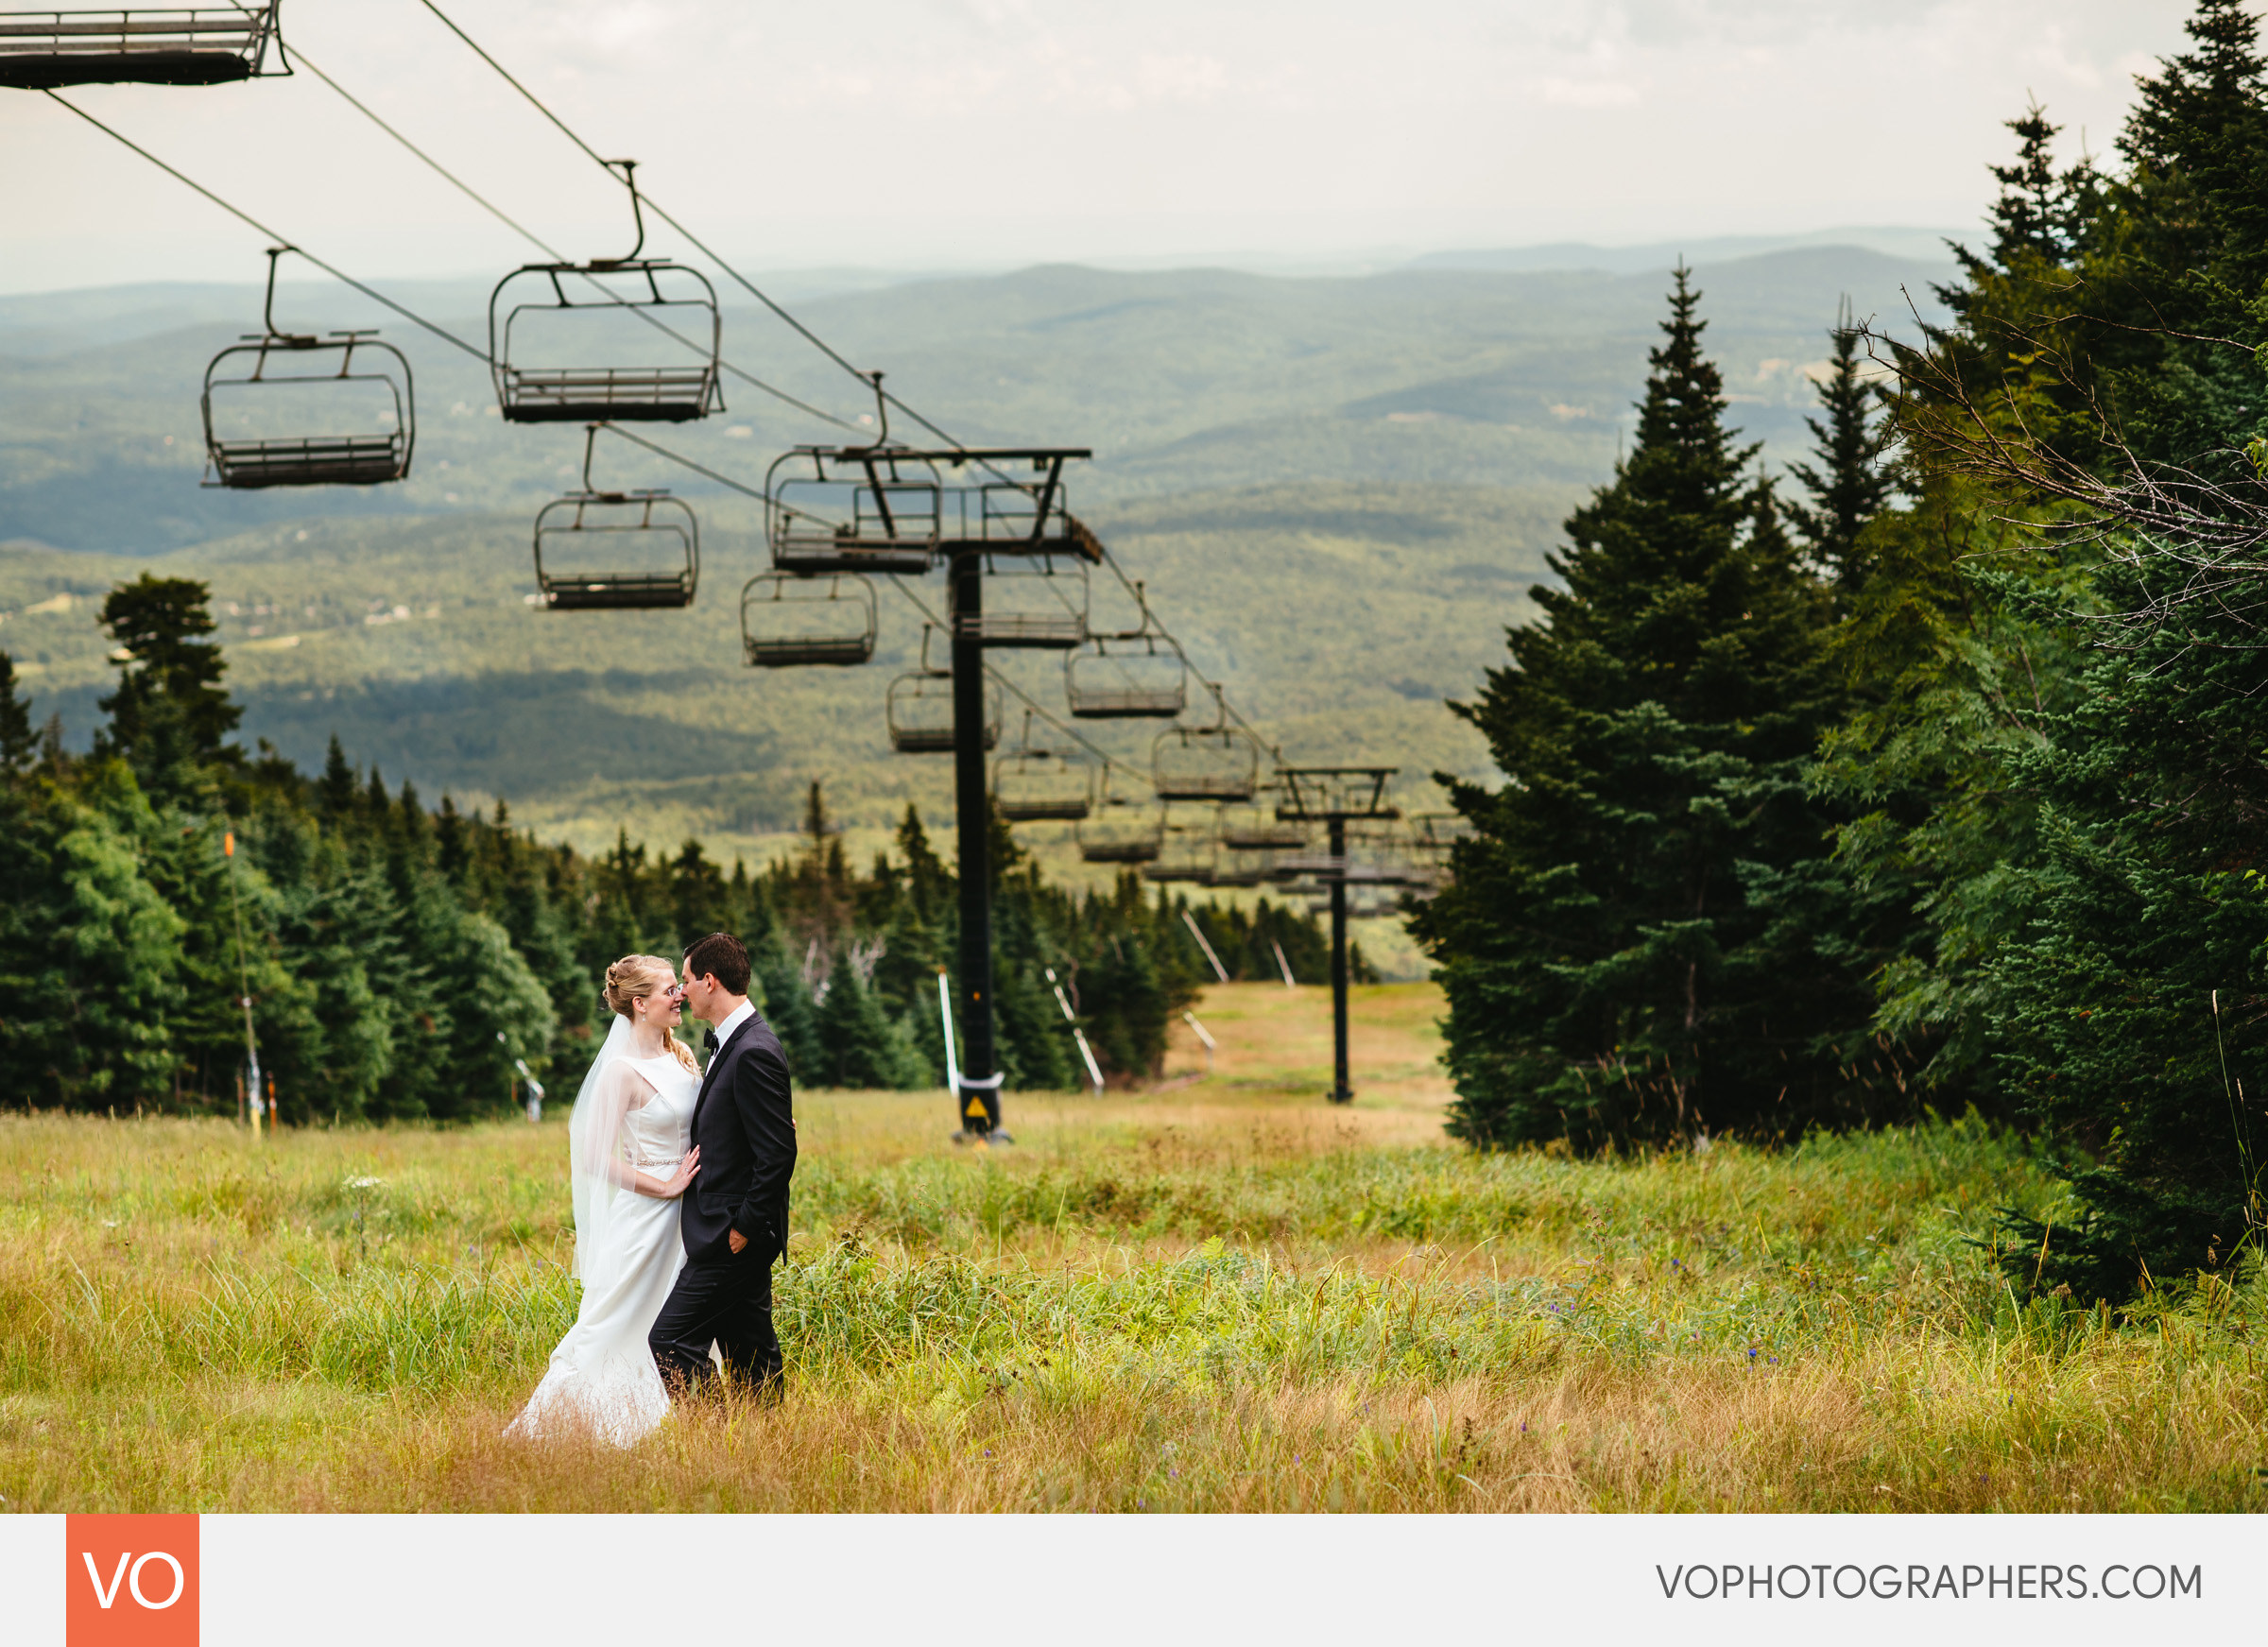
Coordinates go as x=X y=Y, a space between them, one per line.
x=736 y=1240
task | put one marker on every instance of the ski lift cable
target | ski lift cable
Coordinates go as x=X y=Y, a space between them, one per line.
x=337 y=274
x=867 y=378
x=552 y=251
x=915 y=601
x=1220 y=693
x=569 y=132
x=679 y=459
x=870 y=379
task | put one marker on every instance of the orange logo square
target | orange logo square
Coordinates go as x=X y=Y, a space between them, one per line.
x=129 y=1581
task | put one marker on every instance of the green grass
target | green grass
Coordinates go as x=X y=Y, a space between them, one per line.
x=1223 y=1295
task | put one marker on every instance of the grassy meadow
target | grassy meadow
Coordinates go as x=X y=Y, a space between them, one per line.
x=1219 y=1295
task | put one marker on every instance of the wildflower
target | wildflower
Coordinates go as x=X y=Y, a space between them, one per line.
x=1752 y=1352
x=364 y=1183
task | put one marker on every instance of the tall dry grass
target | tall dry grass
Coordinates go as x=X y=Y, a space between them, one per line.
x=1224 y=1297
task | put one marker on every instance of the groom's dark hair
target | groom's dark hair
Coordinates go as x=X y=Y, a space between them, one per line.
x=722 y=956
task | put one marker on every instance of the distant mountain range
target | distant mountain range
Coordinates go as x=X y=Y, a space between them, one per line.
x=1181 y=381
x=1916 y=245
x=1338 y=490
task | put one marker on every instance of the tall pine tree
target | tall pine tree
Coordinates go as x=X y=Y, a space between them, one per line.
x=1850 y=484
x=1629 y=948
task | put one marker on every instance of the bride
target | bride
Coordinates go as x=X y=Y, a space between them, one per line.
x=632 y=1121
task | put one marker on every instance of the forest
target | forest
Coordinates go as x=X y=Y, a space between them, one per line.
x=408 y=963
x=1929 y=779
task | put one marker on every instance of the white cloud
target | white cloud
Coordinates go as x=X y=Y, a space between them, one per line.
x=933 y=131
x=1566 y=93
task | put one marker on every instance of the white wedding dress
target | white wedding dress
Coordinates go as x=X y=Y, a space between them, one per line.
x=632 y=1113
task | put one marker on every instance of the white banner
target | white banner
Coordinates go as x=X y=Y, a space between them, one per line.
x=385 y=1580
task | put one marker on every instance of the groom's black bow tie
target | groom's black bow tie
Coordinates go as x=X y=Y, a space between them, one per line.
x=709 y=1040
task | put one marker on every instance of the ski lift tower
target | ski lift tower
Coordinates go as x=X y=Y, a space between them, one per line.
x=976 y=512
x=1335 y=796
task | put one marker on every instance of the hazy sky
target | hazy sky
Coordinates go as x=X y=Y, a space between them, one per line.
x=930 y=133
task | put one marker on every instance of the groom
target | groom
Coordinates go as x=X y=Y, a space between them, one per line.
x=734 y=1218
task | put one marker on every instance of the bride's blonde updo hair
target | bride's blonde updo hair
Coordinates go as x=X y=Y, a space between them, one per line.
x=632 y=979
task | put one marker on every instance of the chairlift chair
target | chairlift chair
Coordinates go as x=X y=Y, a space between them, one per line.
x=1120 y=831
x=1255 y=828
x=1036 y=785
x=668 y=294
x=1306 y=866
x=615 y=527
x=1049 y=614
x=1186 y=854
x=1238 y=869
x=879 y=513
x=788 y=621
x=208 y=45
x=1217 y=764
x=1433 y=836
x=1130 y=676
x=918 y=710
x=269 y=361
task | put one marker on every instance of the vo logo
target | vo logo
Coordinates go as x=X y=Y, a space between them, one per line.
x=131 y=1581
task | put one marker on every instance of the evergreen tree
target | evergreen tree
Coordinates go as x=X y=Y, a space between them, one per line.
x=696 y=895
x=928 y=883
x=90 y=952
x=452 y=846
x=1850 y=484
x=862 y=1047
x=170 y=678
x=788 y=1007
x=1615 y=961
x=2034 y=216
x=335 y=790
x=2059 y=790
x=19 y=744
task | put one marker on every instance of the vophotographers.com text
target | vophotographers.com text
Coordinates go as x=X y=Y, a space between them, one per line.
x=1916 y=1581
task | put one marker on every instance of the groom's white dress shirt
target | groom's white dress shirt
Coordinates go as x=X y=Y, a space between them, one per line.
x=733 y=1019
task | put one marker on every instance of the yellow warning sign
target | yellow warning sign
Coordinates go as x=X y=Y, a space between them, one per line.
x=976 y=1108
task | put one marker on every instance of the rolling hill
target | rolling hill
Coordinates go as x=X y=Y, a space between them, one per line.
x=1337 y=492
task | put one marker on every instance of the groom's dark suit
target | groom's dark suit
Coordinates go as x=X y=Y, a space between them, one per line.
x=744 y=1126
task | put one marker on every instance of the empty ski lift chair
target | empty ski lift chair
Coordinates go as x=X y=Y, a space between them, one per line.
x=1238 y=869
x=919 y=711
x=861 y=509
x=1126 y=676
x=208 y=45
x=788 y=621
x=272 y=372
x=1254 y=827
x=1047 y=610
x=1036 y=786
x=1186 y=854
x=1219 y=763
x=1120 y=831
x=615 y=550
x=675 y=300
